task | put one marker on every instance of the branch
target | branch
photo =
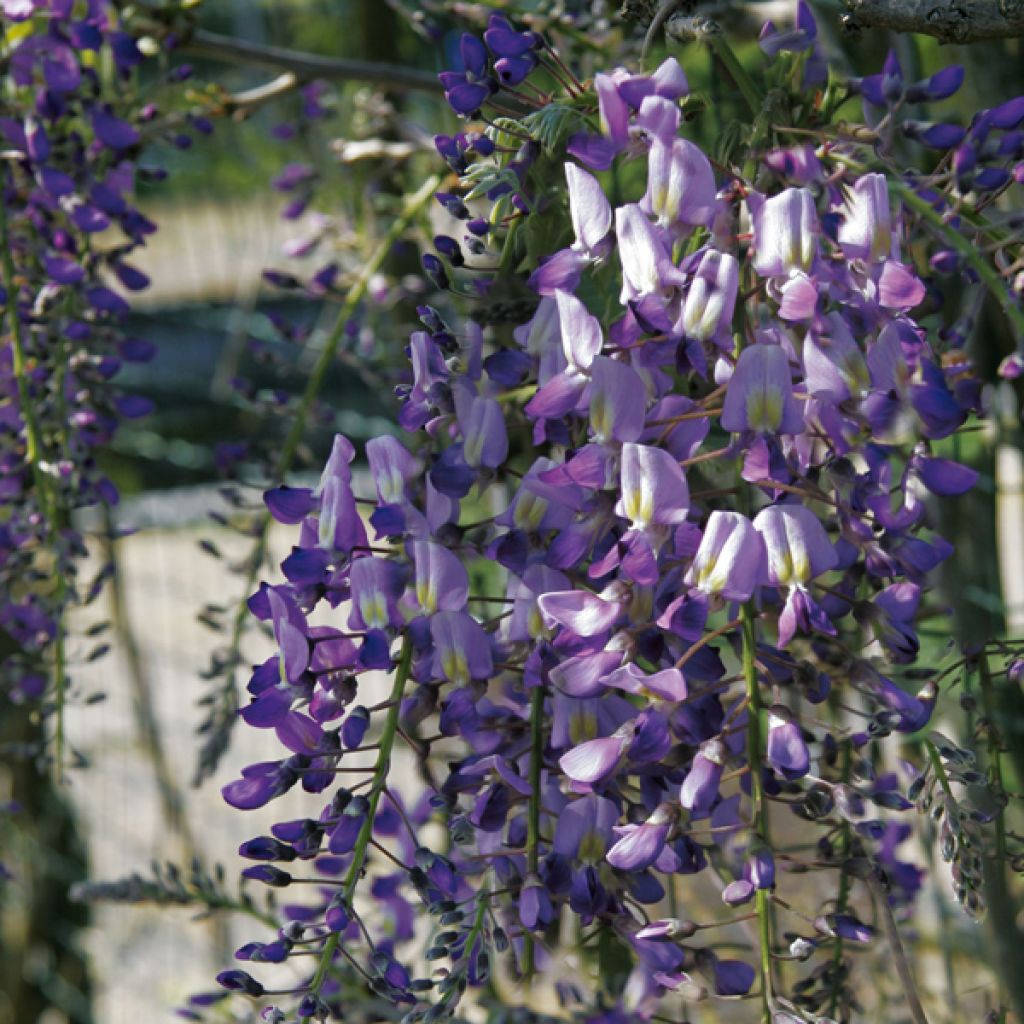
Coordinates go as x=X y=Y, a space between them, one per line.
x=950 y=21
x=306 y=66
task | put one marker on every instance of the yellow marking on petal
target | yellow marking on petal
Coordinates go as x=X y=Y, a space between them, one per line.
x=454 y=666
x=374 y=609
x=426 y=596
x=600 y=417
x=535 y=622
x=591 y=848
x=784 y=567
x=801 y=567
x=583 y=727
x=764 y=410
x=530 y=509
x=472 y=448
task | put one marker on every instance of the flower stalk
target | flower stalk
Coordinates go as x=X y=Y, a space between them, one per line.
x=760 y=810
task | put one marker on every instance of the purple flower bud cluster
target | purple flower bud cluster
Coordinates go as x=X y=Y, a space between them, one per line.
x=645 y=571
x=70 y=225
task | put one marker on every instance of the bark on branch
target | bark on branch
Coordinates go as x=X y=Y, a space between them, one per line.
x=306 y=66
x=951 y=21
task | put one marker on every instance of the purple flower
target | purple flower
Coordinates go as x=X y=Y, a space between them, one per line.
x=618 y=401
x=711 y=297
x=441 y=581
x=485 y=437
x=466 y=91
x=652 y=488
x=760 y=393
x=462 y=650
x=680 y=184
x=785 y=749
x=797 y=546
x=376 y=585
x=733 y=977
x=639 y=846
x=590 y=212
x=583 y=613
x=865 y=232
x=700 y=787
x=785 y=232
x=731 y=557
x=595 y=760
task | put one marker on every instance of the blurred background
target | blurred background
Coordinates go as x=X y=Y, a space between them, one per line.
x=233 y=350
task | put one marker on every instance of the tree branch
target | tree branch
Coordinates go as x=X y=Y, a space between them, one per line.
x=306 y=66
x=950 y=21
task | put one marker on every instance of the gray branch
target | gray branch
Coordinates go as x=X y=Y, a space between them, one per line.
x=306 y=66
x=951 y=21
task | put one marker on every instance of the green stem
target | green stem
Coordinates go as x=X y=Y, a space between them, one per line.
x=43 y=483
x=413 y=206
x=843 y=895
x=737 y=72
x=377 y=786
x=940 y=771
x=533 y=814
x=760 y=808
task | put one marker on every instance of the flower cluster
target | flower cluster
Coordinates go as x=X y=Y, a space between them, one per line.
x=646 y=570
x=69 y=227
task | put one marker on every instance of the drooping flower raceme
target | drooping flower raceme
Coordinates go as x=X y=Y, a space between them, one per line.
x=688 y=540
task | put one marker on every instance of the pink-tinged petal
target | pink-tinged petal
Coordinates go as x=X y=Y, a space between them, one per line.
x=589 y=209
x=760 y=393
x=799 y=298
x=652 y=487
x=899 y=287
x=618 y=401
x=730 y=559
x=583 y=613
x=797 y=545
